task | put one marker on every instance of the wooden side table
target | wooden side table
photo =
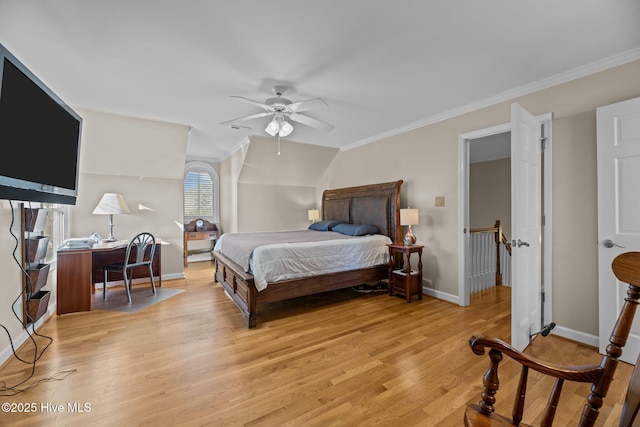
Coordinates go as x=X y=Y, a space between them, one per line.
x=199 y=229
x=405 y=281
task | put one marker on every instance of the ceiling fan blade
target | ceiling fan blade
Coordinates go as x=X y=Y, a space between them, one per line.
x=253 y=116
x=307 y=105
x=314 y=123
x=259 y=104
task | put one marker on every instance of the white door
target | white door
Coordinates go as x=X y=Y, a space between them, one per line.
x=618 y=211
x=526 y=223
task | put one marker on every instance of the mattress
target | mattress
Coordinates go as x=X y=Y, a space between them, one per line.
x=302 y=253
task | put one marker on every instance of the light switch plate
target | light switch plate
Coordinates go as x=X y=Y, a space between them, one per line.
x=439 y=201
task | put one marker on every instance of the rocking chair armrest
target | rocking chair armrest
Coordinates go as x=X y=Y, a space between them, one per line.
x=578 y=373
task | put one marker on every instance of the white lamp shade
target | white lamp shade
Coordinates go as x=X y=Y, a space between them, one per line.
x=409 y=217
x=285 y=128
x=313 y=214
x=279 y=126
x=273 y=127
x=111 y=204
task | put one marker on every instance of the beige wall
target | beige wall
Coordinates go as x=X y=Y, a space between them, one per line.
x=490 y=194
x=427 y=160
x=274 y=207
x=270 y=192
x=230 y=170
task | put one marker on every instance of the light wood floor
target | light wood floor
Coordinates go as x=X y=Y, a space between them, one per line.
x=343 y=359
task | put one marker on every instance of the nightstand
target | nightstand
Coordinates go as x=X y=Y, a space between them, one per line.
x=405 y=280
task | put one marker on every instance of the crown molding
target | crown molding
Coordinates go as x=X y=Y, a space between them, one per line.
x=576 y=73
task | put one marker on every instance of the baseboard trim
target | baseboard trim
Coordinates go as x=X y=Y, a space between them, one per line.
x=573 y=335
x=441 y=295
x=581 y=337
x=7 y=353
x=173 y=276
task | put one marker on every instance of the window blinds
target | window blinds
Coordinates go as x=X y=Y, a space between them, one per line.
x=198 y=194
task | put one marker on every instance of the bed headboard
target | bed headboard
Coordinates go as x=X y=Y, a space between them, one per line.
x=377 y=204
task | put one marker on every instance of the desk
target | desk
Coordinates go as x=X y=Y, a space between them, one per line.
x=79 y=269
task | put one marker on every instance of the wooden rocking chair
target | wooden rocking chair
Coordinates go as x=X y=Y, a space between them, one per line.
x=626 y=268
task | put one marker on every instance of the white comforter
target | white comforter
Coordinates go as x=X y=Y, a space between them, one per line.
x=283 y=261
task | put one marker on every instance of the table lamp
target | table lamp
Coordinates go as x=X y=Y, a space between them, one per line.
x=313 y=215
x=409 y=217
x=111 y=204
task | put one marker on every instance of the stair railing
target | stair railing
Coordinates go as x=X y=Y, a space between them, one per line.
x=490 y=252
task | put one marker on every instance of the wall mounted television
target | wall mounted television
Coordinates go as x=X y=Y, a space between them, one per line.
x=39 y=136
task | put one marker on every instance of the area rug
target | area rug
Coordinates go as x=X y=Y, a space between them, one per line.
x=141 y=297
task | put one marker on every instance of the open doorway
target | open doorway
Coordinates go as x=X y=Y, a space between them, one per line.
x=490 y=211
x=533 y=134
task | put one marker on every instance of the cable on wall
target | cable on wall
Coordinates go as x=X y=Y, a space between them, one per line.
x=6 y=390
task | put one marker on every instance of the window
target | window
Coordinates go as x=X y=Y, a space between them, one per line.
x=201 y=192
x=198 y=194
x=55 y=226
x=57 y=216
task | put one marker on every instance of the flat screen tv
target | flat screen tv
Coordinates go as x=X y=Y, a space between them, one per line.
x=39 y=136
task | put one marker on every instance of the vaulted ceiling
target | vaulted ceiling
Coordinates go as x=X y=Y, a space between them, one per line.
x=382 y=66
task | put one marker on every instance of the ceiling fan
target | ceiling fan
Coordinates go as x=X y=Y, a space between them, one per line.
x=281 y=109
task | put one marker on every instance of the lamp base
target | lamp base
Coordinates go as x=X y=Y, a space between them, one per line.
x=110 y=238
x=409 y=238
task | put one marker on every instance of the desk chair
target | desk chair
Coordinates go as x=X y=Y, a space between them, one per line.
x=140 y=252
x=626 y=267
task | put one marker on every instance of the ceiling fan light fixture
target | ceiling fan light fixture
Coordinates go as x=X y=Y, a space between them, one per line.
x=285 y=128
x=273 y=127
x=281 y=109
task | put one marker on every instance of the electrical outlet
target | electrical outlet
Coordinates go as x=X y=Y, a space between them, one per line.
x=439 y=201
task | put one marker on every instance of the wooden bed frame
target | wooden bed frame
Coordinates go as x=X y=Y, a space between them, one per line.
x=377 y=204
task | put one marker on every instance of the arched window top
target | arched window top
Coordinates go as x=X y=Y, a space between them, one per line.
x=201 y=192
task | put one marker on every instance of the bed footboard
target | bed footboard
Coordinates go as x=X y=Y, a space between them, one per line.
x=239 y=285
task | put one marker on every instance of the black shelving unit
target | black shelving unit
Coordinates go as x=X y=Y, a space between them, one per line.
x=34 y=250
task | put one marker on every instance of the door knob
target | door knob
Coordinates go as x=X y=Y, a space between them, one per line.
x=521 y=243
x=610 y=243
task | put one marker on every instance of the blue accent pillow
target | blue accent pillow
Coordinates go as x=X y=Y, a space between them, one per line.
x=323 y=225
x=356 y=229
